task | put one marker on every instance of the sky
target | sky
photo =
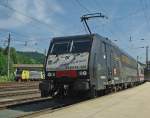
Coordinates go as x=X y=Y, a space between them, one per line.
x=33 y=23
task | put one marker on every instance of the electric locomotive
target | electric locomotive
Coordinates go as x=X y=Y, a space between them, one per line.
x=86 y=64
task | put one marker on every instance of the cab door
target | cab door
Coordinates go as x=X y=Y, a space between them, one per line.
x=108 y=60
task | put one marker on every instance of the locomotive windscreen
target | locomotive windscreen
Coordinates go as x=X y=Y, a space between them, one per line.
x=74 y=46
x=60 y=47
x=81 y=46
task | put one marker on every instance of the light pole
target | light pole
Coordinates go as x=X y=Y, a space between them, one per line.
x=137 y=66
x=147 y=55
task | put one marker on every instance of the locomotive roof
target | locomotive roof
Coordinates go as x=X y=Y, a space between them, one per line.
x=73 y=36
x=113 y=44
x=105 y=39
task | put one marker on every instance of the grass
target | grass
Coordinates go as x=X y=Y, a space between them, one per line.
x=6 y=79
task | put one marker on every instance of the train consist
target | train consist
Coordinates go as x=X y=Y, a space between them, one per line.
x=87 y=65
x=25 y=72
x=25 y=75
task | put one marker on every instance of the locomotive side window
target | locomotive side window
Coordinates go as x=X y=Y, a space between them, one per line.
x=60 y=48
x=81 y=46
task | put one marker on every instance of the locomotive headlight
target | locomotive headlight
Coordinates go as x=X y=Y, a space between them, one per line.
x=82 y=73
x=51 y=74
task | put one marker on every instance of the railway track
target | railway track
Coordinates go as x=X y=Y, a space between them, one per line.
x=58 y=106
x=11 y=102
x=18 y=88
x=18 y=84
x=17 y=92
x=24 y=99
x=20 y=100
x=37 y=106
x=14 y=93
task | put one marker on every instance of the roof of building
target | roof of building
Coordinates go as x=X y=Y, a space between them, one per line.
x=28 y=65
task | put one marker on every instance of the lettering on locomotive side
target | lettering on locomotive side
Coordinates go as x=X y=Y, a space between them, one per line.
x=75 y=67
x=117 y=58
x=125 y=59
x=129 y=61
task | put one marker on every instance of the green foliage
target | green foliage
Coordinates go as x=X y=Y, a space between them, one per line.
x=17 y=57
x=13 y=55
x=6 y=79
x=30 y=57
x=3 y=63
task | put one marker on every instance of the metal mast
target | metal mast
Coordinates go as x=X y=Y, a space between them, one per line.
x=8 y=60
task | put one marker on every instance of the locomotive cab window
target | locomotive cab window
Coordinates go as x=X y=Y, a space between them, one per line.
x=81 y=46
x=60 y=48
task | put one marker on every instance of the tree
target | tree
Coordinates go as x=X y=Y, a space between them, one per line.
x=13 y=55
x=3 y=64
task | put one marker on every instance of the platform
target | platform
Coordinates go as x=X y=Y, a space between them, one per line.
x=131 y=103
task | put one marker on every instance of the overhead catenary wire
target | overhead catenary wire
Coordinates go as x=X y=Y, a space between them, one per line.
x=144 y=7
x=28 y=16
x=13 y=32
x=119 y=18
x=23 y=36
x=31 y=42
x=84 y=7
x=20 y=13
x=116 y=19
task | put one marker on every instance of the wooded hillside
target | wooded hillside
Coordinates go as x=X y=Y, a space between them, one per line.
x=18 y=57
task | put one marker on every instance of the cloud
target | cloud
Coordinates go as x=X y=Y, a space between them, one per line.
x=38 y=9
x=15 y=19
x=55 y=7
x=45 y=11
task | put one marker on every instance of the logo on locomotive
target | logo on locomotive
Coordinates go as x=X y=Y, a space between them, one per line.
x=77 y=61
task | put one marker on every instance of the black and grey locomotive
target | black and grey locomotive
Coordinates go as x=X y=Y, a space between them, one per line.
x=87 y=64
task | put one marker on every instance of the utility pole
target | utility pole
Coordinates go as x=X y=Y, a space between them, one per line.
x=8 y=57
x=86 y=17
x=147 y=56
